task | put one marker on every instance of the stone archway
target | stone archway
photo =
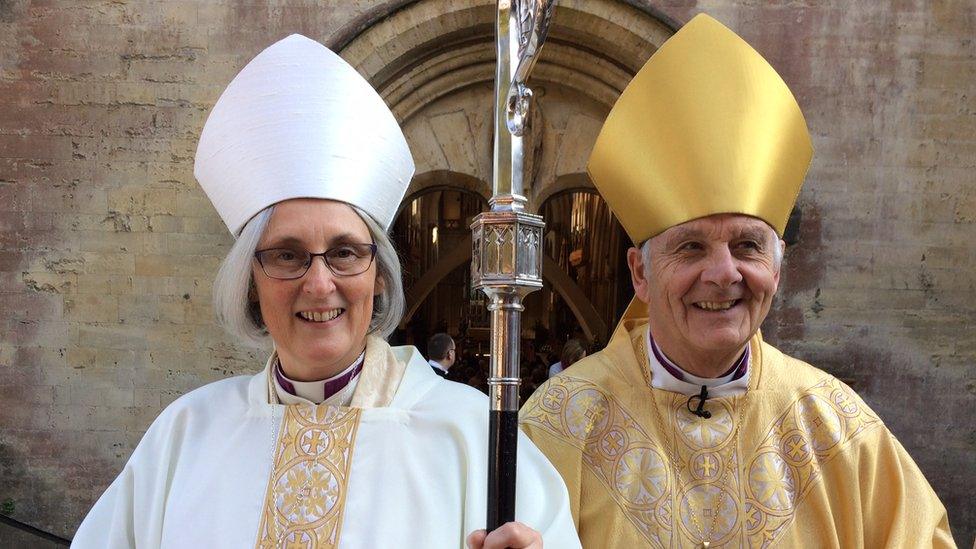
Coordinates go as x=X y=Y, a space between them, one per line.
x=593 y=327
x=429 y=48
x=433 y=63
x=443 y=179
x=562 y=184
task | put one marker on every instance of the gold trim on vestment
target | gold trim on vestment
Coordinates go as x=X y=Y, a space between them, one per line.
x=615 y=448
x=308 y=484
x=758 y=499
x=787 y=463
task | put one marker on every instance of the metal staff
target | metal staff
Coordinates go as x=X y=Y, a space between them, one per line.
x=506 y=259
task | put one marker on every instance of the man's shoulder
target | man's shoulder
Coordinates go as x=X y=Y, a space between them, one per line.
x=594 y=381
x=789 y=370
x=784 y=373
x=810 y=390
x=585 y=386
x=599 y=369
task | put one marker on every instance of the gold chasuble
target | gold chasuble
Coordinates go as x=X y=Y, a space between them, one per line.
x=798 y=460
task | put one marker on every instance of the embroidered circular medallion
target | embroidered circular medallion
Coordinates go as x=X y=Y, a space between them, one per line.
x=587 y=414
x=706 y=465
x=795 y=448
x=313 y=441
x=553 y=398
x=846 y=402
x=641 y=476
x=306 y=493
x=706 y=432
x=755 y=519
x=772 y=482
x=612 y=443
x=712 y=505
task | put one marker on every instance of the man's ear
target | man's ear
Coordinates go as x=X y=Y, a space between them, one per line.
x=782 y=253
x=635 y=262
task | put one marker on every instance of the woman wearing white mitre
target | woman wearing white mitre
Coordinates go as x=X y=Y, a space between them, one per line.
x=342 y=441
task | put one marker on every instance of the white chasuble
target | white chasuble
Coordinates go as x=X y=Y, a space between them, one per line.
x=405 y=465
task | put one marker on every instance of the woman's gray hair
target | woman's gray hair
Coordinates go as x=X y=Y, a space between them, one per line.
x=235 y=299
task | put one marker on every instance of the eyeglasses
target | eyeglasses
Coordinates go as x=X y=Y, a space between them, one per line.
x=290 y=263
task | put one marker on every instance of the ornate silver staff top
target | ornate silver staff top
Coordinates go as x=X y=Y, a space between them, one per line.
x=532 y=27
x=506 y=256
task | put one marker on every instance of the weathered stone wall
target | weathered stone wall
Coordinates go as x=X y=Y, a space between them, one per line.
x=108 y=247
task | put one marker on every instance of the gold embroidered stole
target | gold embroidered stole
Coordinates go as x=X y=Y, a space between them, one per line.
x=313 y=456
x=308 y=484
x=741 y=494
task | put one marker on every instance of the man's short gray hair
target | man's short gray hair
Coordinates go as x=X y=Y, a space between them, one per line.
x=235 y=299
x=645 y=249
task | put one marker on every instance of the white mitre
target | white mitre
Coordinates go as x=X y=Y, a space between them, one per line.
x=300 y=122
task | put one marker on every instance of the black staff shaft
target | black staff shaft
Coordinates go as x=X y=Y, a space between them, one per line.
x=502 y=449
x=503 y=394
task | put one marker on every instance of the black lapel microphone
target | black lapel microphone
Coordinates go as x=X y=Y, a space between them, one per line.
x=700 y=411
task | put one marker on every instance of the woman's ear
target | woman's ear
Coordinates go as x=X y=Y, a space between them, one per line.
x=254 y=306
x=380 y=285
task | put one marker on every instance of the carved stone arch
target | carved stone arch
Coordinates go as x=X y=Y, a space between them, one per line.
x=443 y=180
x=593 y=327
x=564 y=183
x=423 y=49
x=433 y=62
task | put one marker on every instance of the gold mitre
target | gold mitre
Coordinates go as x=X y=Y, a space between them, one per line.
x=706 y=127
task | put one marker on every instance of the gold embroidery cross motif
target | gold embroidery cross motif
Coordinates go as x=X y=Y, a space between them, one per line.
x=594 y=415
x=796 y=448
x=844 y=401
x=306 y=490
x=314 y=441
x=707 y=466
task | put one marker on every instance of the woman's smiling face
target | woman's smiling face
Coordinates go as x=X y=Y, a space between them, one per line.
x=318 y=322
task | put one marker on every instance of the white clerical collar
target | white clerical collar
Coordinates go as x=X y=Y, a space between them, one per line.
x=735 y=382
x=336 y=390
x=437 y=365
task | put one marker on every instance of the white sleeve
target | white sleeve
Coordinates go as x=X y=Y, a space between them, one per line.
x=541 y=498
x=130 y=512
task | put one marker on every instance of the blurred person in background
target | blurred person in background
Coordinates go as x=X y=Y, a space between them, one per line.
x=571 y=353
x=441 y=353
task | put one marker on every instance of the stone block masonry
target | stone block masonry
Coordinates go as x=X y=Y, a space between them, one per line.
x=108 y=247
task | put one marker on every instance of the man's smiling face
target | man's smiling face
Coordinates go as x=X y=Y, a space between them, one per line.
x=708 y=286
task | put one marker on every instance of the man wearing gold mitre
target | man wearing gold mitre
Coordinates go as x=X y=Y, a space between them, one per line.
x=689 y=430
